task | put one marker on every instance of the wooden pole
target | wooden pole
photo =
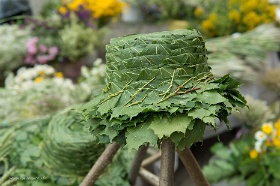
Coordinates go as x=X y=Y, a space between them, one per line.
x=192 y=167
x=139 y=157
x=149 y=177
x=105 y=159
x=167 y=163
x=151 y=159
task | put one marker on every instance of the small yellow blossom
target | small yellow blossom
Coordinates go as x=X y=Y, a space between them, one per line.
x=277 y=124
x=198 y=12
x=277 y=133
x=99 y=9
x=267 y=128
x=59 y=75
x=235 y=16
x=38 y=79
x=276 y=142
x=62 y=10
x=253 y=154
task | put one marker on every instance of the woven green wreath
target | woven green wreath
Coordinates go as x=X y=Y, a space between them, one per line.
x=160 y=85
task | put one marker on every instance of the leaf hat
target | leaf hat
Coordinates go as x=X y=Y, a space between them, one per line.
x=159 y=85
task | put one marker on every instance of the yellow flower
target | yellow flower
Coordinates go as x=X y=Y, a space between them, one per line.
x=62 y=9
x=277 y=133
x=267 y=128
x=99 y=8
x=208 y=27
x=38 y=79
x=59 y=75
x=235 y=16
x=213 y=17
x=276 y=142
x=253 y=154
x=75 y=4
x=198 y=12
x=277 y=124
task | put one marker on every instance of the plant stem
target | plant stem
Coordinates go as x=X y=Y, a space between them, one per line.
x=149 y=177
x=102 y=162
x=192 y=167
x=140 y=155
x=167 y=163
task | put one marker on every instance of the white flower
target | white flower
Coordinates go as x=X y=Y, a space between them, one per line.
x=97 y=62
x=260 y=136
x=258 y=146
x=84 y=72
x=69 y=84
x=49 y=70
x=26 y=85
x=58 y=81
x=236 y=35
x=278 y=14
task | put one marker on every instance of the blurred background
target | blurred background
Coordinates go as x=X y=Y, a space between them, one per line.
x=52 y=59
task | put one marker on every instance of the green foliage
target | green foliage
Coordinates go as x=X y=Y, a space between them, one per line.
x=77 y=41
x=25 y=158
x=232 y=162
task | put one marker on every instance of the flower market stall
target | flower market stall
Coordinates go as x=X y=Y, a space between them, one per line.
x=79 y=79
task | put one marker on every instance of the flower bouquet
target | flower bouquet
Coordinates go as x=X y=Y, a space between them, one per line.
x=222 y=18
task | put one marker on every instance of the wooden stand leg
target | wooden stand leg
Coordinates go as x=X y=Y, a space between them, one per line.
x=192 y=167
x=167 y=163
x=140 y=155
x=149 y=177
x=102 y=162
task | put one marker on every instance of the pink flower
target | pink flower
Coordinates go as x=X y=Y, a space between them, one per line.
x=53 y=51
x=29 y=59
x=43 y=48
x=42 y=59
x=32 y=45
x=33 y=40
